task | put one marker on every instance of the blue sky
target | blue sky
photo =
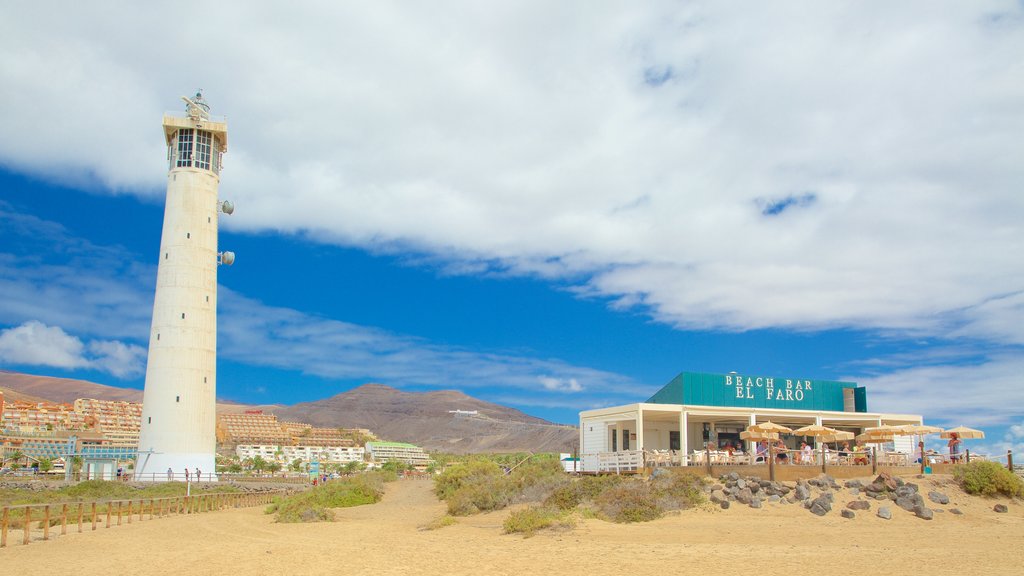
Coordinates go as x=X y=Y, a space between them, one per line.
x=551 y=207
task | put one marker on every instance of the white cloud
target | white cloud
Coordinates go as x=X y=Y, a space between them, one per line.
x=560 y=384
x=36 y=344
x=256 y=334
x=633 y=150
x=987 y=392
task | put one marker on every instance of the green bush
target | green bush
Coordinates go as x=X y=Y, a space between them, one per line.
x=529 y=520
x=454 y=478
x=314 y=505
x=482 y=485
x=481 y=494
x=988 y=479
x=633 y=500
x=679 y=489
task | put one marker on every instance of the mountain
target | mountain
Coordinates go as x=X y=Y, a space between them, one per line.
x=65 y=391
x=445 y=420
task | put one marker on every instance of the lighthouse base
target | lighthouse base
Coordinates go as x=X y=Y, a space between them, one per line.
x=175 y=467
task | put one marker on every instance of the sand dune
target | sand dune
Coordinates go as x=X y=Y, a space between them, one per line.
x=386 y=538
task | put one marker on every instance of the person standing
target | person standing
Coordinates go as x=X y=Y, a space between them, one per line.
x=954 y=447
x=199 y=475
x=170 y=475
x=186 y=475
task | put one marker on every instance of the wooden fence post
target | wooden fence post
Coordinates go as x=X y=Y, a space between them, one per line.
x=46 y=522
x=3 y=527
x=28 y=522
x=823 y=463
x=94 y=516
x=874 y=459
x=81 y=507
x=64 y=519
x=1009 y=460
x=920 y=450
x=771 y=462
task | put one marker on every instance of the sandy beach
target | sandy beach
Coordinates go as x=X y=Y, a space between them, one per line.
x=387 y=538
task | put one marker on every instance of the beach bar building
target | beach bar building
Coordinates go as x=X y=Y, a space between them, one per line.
x=696 y=410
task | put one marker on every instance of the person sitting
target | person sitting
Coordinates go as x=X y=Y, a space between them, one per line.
x=860 y=455
x=761 y=452
x=845 y=450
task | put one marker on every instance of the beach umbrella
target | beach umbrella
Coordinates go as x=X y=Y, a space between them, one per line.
x=884 y=430
x=838 y=436
x=770 y=427
x=917 y=430
x=758 y=436
x=963 y=432
x=815 y=430
x=868 y=438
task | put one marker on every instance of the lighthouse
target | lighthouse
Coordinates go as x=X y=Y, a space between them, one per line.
x=178 y=432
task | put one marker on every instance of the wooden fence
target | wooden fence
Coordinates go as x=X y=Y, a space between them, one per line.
x=90 y=515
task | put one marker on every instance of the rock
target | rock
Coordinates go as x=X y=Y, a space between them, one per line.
x=821 y=505
x=755 y=503
x=923 y=512
x=744 y=496
x=955 y=511
x=1001 y=508
x=741 y=483
x=774 y=499
x=848 y=514
x=911 y=485
x=938 y=497
x=717 y=487
x=853 y=484
x=888 y=482
x=854 y=491
x=904 y=491
x=718 y=496
x=754 y=487
x=859 y=505
x=802 y=492
x=938 y=510
x=734 y=476
x=884 y=513
x=906 y=503
x=725 y=505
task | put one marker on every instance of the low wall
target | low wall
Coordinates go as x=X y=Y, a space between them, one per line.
x=792 y=472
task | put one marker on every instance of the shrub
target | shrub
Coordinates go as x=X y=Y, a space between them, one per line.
x=481 y=494
x=988 y=479
x=630 y=501
x=455 y=477
x=529 y=520
x=678 y=489
x=441 y=522
x=314 y=505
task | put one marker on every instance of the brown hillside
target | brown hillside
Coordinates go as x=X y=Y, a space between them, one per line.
x=425 y=419
x=422 y=418
x=64 y=390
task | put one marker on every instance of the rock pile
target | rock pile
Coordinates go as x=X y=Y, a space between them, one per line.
x=817 y=494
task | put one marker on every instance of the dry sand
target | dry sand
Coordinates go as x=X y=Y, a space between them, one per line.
x=387 y=538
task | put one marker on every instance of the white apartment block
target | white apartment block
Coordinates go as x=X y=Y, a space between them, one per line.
x=286 y=454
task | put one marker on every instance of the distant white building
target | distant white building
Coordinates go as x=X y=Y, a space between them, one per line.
x=381 y=452
x=286 y=454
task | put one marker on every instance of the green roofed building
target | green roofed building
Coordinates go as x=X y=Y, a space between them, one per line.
x=697 y=411
x=381 y=452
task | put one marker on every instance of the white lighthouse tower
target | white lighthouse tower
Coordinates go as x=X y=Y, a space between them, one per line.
x=179 y=405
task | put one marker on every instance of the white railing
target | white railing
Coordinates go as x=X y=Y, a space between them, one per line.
x=618 y=462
